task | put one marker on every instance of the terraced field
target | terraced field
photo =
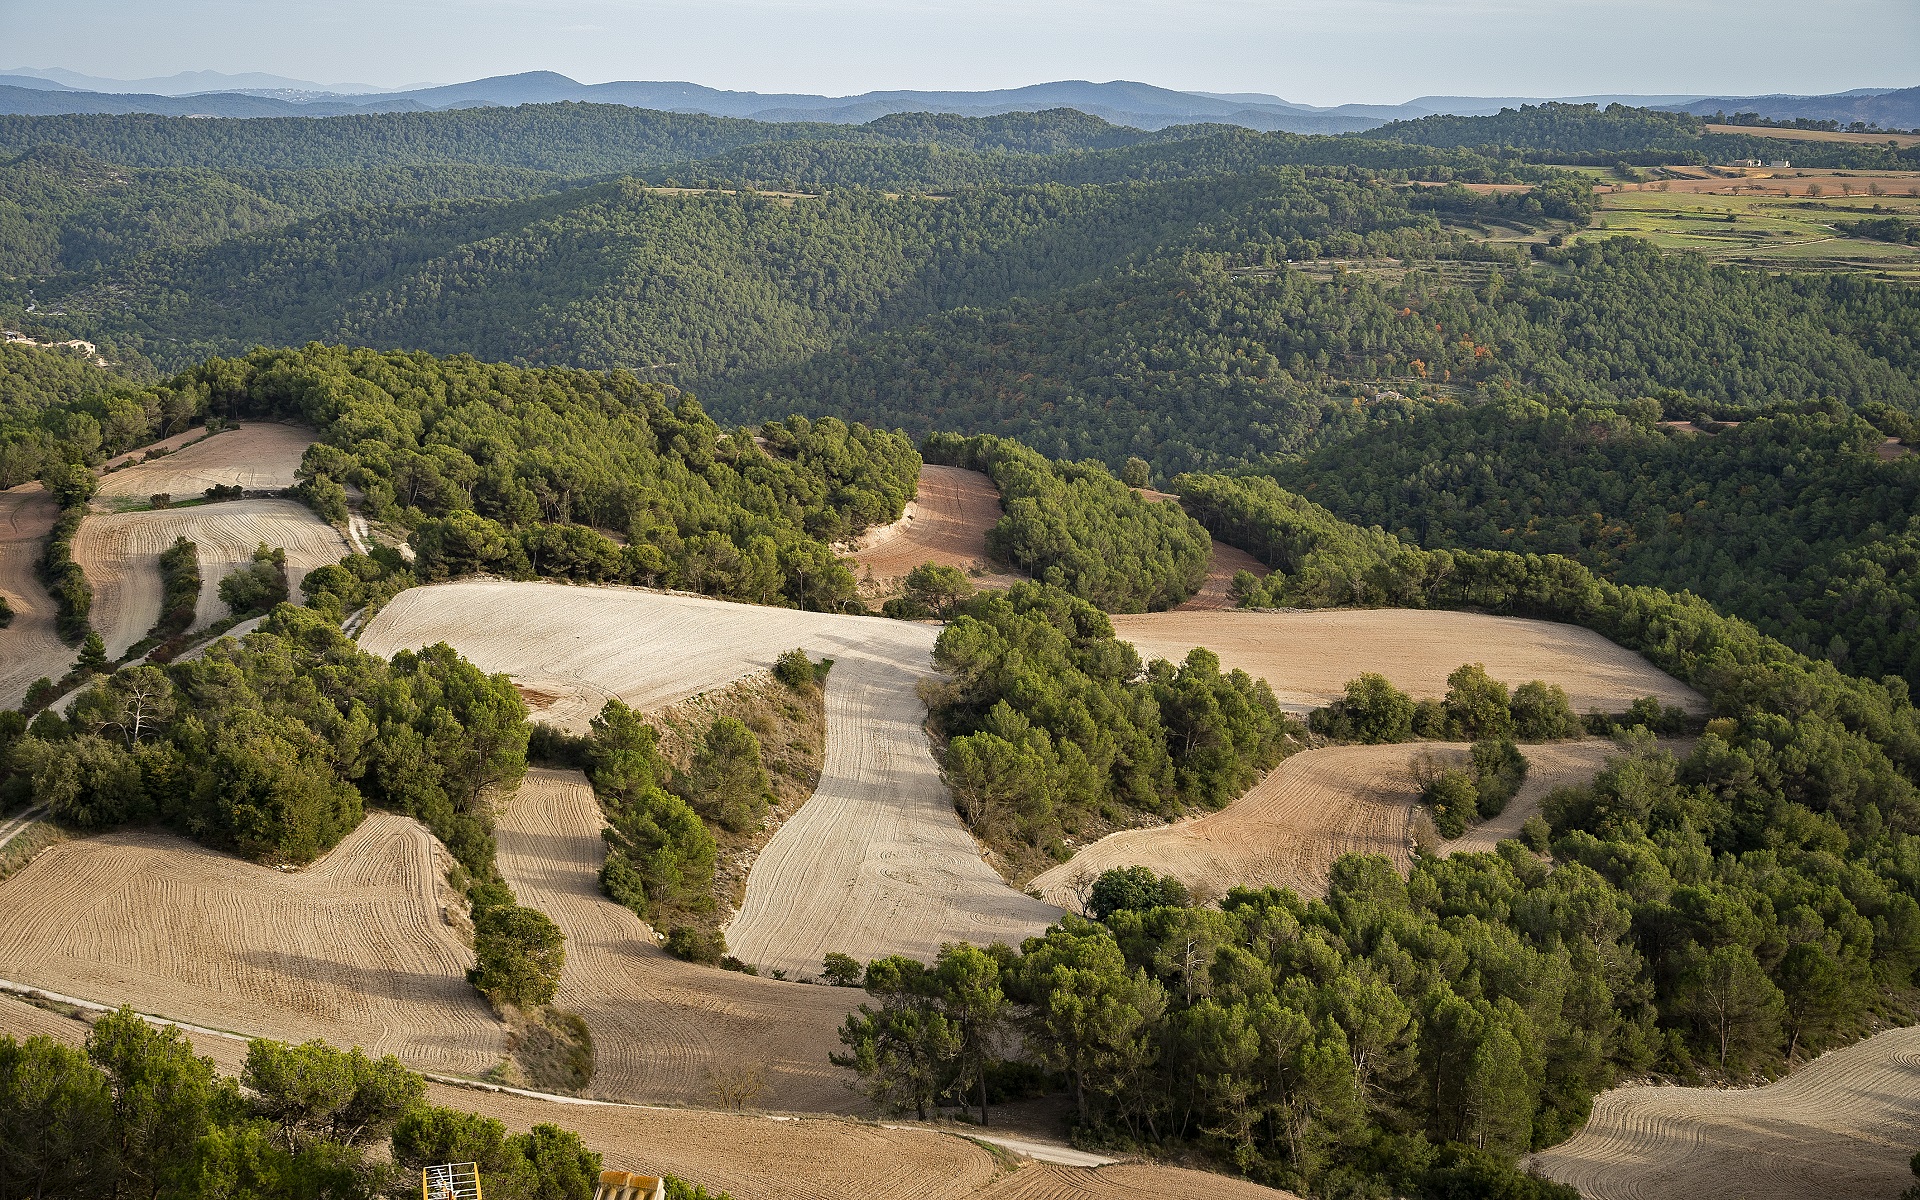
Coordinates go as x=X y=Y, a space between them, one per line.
x=1316 y=806
x=875 y=863
x=353 y=949
x=29 y=647
x=1843 y=1125
x=1308 y=657
x=120 y=553
x=259 y=456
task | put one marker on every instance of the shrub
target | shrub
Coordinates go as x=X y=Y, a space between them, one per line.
x=1135 y=889
x=1453 y=798
x=696 y=945
x=842 y=970
x=259 y=585
x=520 y=953
x=795 y=670
x=161 y=500
x=1542 y=713
x=1373 y=711
x=1498 y=768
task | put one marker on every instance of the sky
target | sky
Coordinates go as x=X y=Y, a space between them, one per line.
x=1314 y=51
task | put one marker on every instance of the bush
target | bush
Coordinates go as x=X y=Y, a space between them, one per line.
x=1135 y=889
x=693 y=944
x=520 y=953
x=1373 y=711
x=1542 y=713
x=842 y=970
x=796 y=670
x=6 y=613
x=1498 y=768
x=1452 y=798
x=161 y=500
x=259 y=585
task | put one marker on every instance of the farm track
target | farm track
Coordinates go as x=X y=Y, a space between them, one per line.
x=260 y=456
x=1308 y=657
x=875 y=863
x=29 y=646
x=1843 y=1125
x=353 y=949
x=120 y=553
x=1316 y=806
x=946 y=524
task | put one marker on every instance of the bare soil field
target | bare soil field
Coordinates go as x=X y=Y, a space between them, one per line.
x=354 y=949
x=946 y=524
x=1308 y=657
x=120 y=553
x=165 y=445
x=258 y=456
x=1217 y=592
x=1840 y=1126
x=1765 y=182
x=1818 y=135
x=660 y=1025
x=875 y=863
x=29 y=647
x=1316 y=806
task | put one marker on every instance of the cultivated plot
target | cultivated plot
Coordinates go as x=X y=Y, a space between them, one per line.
x=1308 y=657
x=1314 y=807
x=1840 y=1126
x=946 y=524
x=1217 y=592
x=120 y=553
x=29 y=647
x=875 y=863
x=259 y=456
x=356 y=949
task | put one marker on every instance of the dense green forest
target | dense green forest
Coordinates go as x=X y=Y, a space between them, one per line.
x=1727 y=913
x=1791 y=519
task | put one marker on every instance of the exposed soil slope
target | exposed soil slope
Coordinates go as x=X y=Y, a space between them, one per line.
x=353 y=949
x=29 y=647
x=120 y=553
x=946 y=524
x=1308 y=657
x=1217 y=592
x=1316 y=806
x=259 y=456
x=876 y=863
x=1843 y=1125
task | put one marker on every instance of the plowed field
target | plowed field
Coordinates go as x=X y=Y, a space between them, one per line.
x=946 y=524
x=875 y=863
x=1217 y=592
x=1316 y=806
x=121 y=555
x=353 y=949
x=1308 y=657
x=1843 y=1125
x=259 y=456
x=29 y=647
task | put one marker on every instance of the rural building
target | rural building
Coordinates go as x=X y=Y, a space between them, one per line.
x=1779 y=164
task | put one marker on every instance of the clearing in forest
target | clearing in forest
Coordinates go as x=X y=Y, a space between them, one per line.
x=356 y=949
x=120 y=553
x=259 y=456
x=1308 y=657
x=945 y=524
x=875 y=863
x=1840 y=1126
x=1311 y=809
x=1216 y=593
x=29 y=647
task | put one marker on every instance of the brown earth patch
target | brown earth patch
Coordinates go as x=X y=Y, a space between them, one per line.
x=29 y=646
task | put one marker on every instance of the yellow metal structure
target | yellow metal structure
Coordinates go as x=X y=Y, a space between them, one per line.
x=451 y=1181
x=621 y=1185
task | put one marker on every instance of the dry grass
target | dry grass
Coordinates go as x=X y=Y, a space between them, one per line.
x=876 y=863
x=120 y=553
x=259 y=456
x=355 y=949
x=946 y=524
x=1840 y=1126
x=1308 y=657
x=29 y=647
x=1316 y=806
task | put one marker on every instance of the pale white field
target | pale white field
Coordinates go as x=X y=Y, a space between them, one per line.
x=1308 y=657
x=875 y=863
x=1843 y=1125
x=120 y=553
x=259 y=456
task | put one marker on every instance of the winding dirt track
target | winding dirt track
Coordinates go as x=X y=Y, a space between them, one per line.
x=1308 y=657
x=946 y=524
x=353 y=949
x=29 y=647
x=259 y=456
x=1316 y=806
x=658 y=1023
x=757 y=1157
x=120 y=553
x=875 y=863
x=1843 y=1125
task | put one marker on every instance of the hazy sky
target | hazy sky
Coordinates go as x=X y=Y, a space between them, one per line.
x=1318 y=51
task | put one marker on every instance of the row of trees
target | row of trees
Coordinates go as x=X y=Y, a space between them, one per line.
x=1477 y=707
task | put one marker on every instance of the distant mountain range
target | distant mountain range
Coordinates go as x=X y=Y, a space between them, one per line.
x=46 y=91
